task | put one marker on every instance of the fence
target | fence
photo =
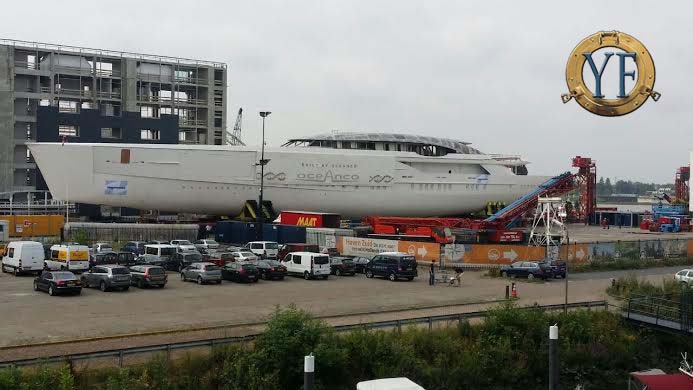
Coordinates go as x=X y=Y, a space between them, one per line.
x=121 y=232
x=121 y=354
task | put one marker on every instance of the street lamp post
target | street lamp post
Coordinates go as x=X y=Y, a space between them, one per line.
x=263 y=162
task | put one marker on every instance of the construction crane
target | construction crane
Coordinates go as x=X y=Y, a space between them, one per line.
x=234 y=138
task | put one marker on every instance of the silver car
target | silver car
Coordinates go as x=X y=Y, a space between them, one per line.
x=107 y=277
x=201 y=273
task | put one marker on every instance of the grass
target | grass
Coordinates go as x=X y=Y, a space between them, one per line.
x=631 y=286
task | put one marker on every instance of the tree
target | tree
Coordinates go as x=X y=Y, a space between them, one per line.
x=608 y=189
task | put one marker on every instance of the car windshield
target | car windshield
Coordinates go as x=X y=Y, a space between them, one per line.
x=271 y=245
x=193 y=257
x=212 y=242
x=226 y=256
x=321 y=260
x=273 y=263
x=120 y=271
x=348 y=261
x=156 y=271
x=184 y=242
x=407 y=261
x=335 y=261
x=247 y=254
x=248 y=267
x=210 y=267
x=168 y=251
x=64 y=276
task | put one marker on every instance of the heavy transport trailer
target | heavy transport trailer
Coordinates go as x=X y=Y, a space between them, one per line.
x=498 y=227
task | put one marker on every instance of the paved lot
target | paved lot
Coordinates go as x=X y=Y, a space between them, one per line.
x=29 y=316
x=582 y=233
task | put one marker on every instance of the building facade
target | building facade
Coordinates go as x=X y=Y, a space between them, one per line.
x=92 y=95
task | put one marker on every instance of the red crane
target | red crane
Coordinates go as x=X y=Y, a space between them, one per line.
x=586 y=183
x=682 y=191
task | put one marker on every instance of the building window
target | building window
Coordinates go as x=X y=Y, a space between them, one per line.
x=68 y=131
x=149 y=112
x=109 y=109
x=149 y=134
x=67 y=106
x=111 y=133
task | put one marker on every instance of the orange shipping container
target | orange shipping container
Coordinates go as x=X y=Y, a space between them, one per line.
x=34 y=225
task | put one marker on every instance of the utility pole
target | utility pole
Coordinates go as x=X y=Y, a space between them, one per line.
x=309 y=372
x=263 y=162
x=554 y=368
x=565 y=279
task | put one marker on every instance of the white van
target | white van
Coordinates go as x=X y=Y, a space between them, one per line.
x=388 y=384
x=23 y=256
x=71 y=257
x=264 y=249
x=308 y=264
x=164 y=251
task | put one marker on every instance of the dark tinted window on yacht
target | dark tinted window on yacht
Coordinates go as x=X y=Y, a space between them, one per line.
x=346 y=145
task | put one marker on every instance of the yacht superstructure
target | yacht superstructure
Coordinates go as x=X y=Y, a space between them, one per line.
x=354 y=174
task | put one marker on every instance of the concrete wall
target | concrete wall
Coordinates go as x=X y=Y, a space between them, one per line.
x=6 y=118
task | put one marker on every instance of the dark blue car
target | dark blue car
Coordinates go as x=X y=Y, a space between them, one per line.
x=527 y=269
x=392 y=265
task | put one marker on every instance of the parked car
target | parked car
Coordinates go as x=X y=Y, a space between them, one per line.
x=341 y=266
x=685 y=277
x=148 y=259
x=271 y=269
x=527 y=269
x=126 y=258
x=558 y=268
x=307 y=264
x=221 y=258
x=58 y=282
x=297 y=247
x=101 y=247
x=136 y=247
x=23 y=256
x=264 y=249
x=244 y=256
x=148 y=276
x=161 y=250
x=181 y=260
x=392 y=265
x=183 y=245
x=201 y=273
x=240 y=272
x=101 y=258
x=107 y=277
x=206 y=244
x=360 y=263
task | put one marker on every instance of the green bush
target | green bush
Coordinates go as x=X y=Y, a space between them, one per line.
x=630 y=285
x=507 y=350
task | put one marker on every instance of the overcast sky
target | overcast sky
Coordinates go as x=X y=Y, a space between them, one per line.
x=490 y=73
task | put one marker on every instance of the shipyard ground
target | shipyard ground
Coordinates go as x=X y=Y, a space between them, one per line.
x=586 y=234
x=33 y=317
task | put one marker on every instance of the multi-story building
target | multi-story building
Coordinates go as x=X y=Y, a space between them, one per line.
x=54 y=92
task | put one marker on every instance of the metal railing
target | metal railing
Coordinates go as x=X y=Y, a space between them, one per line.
x=429 y=321
x=653 y=310
x=183 y=122
x=112 y=53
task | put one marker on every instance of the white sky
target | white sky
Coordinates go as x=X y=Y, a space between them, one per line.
x=487 y=72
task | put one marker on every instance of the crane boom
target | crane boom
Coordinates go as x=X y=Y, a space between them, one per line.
x=234 y=138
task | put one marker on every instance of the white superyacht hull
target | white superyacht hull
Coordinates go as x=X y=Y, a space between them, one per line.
x=220 y=179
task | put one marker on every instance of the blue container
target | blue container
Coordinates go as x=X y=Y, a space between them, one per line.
x=291 y=234
x=270 y=233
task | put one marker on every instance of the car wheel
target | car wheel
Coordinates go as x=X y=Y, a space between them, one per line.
x=102 y=286
x=219 y=281
x=530 y=276
x=337 y=272
x=410 y=278
x=15 y=272
x=85 y=283
x=256 y=280
x=369 y=274
x=504 y=274
x=325 y=277
x=35 y=286
x=392 y=277
x=281 y=278
x=79 y=292
x=126 y=288
x=51 y=291
x=140 y=284
x=306 y=275
x=199 y=280
x=263 y=276
x=182 y=276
